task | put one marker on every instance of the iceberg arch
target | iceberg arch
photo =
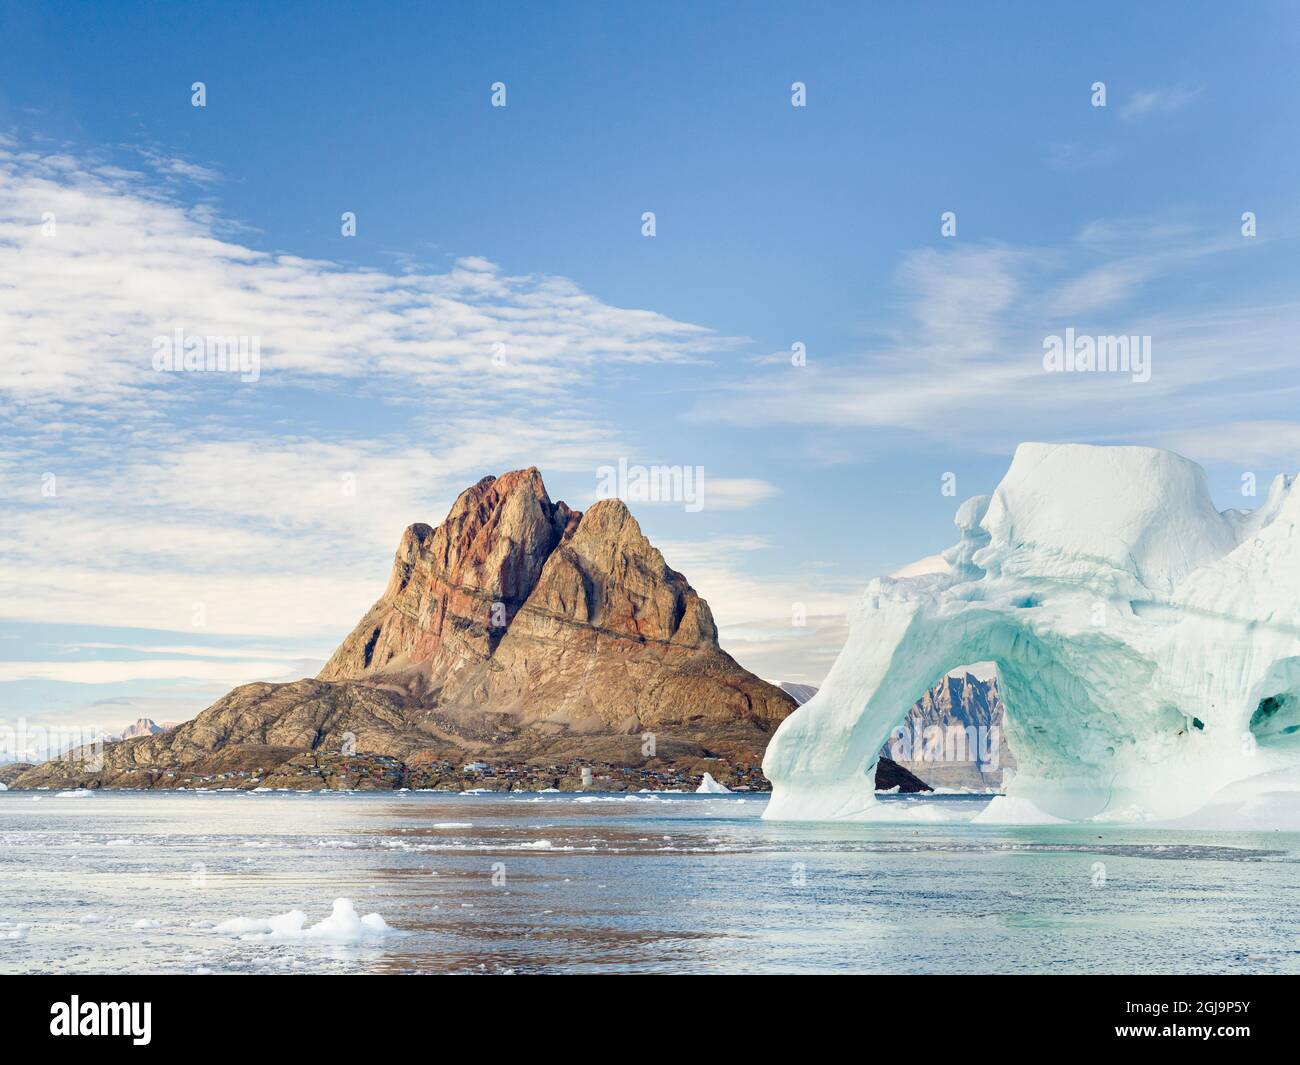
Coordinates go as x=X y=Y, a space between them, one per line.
x=1147 y=645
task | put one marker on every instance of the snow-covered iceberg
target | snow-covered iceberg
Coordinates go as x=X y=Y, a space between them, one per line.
x=1147 y=645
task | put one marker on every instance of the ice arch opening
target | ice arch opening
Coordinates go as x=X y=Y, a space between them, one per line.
x=1140 y=637
x=955 y=737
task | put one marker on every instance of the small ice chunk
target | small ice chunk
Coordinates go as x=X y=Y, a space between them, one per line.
x=343 y=925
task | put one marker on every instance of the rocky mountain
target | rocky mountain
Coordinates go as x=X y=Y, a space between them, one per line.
x=519 y=608
x=11 y=771
x=954 y=736
x=517 y=631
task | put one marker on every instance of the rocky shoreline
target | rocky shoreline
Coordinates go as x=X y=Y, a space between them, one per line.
x=318 y=771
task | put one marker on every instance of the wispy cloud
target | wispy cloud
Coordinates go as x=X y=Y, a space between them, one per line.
x=967 y=369
x=109 y=262
x=786 y=625
x=110 y=672
x=1159 y=101
x=1240 y=443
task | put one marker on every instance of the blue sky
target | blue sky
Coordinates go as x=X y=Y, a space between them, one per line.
x=521 y=226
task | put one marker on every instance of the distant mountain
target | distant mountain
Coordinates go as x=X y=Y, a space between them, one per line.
x=953 y=737
x=800 y=693
x=146 y=726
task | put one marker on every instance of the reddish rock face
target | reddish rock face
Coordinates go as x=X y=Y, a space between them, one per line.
x=519 y=606
x=454 y=589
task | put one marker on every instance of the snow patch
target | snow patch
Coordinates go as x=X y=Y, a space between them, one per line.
x=1008 y=810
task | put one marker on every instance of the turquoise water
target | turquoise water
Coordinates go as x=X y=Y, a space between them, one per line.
x=557 y=883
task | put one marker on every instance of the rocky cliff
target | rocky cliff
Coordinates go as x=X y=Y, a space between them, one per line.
x=516 y=607
x=954 y=736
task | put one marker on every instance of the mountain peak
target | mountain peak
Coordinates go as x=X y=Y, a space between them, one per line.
x=144 y=726
x=518 y=605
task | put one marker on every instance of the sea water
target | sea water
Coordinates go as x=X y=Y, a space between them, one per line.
x=185 y=882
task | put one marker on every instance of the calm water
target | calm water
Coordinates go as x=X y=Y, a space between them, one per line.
x=604 y=883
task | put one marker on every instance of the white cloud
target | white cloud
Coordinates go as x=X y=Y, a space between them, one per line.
x=103 y=672
x=272 y=535
x=783 y=625
x=1157 y=102
x=124 y=264
x=969 y=372
x=1241 y=443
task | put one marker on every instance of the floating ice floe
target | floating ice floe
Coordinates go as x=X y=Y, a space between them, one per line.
x=76 y=793
x=145 y=922
x=1147 y=648
x=343 y=925
x=709 y=786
